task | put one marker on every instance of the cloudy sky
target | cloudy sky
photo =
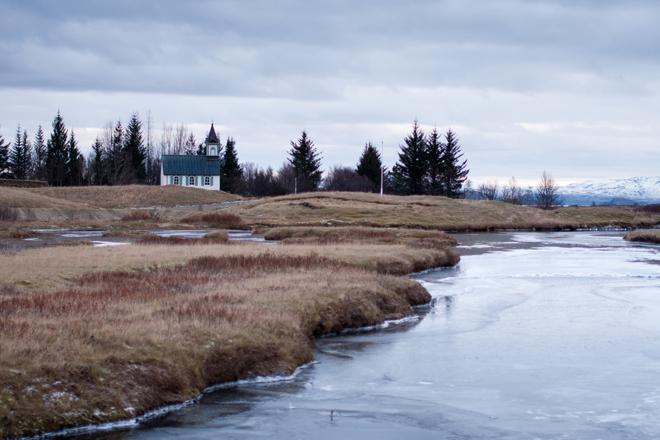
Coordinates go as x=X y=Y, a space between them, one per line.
x=571 y=86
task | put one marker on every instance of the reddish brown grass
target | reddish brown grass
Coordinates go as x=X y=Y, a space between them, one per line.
x=353 y=234
x=116 y=344
x=216 y=220
x=138 y=215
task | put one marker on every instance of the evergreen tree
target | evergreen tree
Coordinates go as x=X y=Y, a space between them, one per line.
x=370 y=166
x=40 y=156
x=134 y=152
x=97 y=162
x=396 y=181
x=306 y=163
x=57 y=153
x=73 y=167
x=27 y=148
x=20 y=156
x=189 y=147
x=455 y=169
x=232 y=173
x=4 y=157
x=412 y=165
x=115 y=154
x=435 y=151
x=201 y=149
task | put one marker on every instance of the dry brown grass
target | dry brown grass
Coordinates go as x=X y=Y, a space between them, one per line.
x=109 y=345
x=132 y=196
x=26 y=198
x=59 y=267
x=139 y=215
x=427 y=212
x=645 y=236
x=357 y=234
x=215 y=220
x=217 y=237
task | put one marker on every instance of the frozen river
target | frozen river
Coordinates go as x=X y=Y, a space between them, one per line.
x=532 y=336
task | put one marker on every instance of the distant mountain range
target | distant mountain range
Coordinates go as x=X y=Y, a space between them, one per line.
x=635 y=190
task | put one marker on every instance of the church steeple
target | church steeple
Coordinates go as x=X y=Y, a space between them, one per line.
x=212 y=143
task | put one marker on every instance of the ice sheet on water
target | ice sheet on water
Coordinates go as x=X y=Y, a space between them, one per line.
x=99 y=243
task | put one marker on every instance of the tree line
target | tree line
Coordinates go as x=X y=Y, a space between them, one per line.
x=545 y=195
x=430 y=164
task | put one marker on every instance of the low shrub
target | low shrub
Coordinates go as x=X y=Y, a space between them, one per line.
x=216 y=220
x=139 y=215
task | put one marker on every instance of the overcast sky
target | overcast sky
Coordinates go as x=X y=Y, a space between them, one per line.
x=571 y=86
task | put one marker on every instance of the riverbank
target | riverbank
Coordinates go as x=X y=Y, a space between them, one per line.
x=104 y=334
x=644 y=236
x=91 y=335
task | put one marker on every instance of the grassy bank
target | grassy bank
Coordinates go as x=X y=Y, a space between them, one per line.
x=426 y=212
x=644 y=236
x=100 y=205
x=100 y=334
x=353 y=234
x=132 y=196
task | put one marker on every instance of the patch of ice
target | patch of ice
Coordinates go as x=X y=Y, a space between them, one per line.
x=99 y=243
x=136 y=421
x=83 y=234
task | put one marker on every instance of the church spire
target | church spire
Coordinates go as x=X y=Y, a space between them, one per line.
x=212 y=138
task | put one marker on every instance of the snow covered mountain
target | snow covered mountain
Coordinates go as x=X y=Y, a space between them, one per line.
x=635 y=190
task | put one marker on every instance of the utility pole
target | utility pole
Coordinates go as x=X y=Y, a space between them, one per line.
x=381 y=168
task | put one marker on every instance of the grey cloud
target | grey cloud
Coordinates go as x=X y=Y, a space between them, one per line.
x=352 y=71
x=309 y=50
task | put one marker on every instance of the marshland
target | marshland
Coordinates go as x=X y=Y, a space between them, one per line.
x=101 y=334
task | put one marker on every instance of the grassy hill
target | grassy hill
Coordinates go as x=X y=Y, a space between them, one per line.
x=133 y=196
x=427 y=212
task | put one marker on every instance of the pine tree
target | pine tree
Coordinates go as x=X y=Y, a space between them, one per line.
x=40 y=156
x=396 y=181
x=4 y=157
x=456 y=170
x=232 y=172
x=57 y=153
x=73 y=168
x=27 y=148
x=20 y=156
x=134 y=154
x=370 y=166
x=97 y=162
x=201 y=149
x=435 y=151
x=306 y=163
x=190 y=146
x=412 y=165
x=116 y=154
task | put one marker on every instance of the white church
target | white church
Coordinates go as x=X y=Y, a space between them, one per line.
x=197 y=171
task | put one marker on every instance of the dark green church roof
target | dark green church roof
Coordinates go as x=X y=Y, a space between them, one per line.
x=190 y=165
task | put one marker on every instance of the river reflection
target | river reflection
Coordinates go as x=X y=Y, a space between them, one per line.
x=533 y=336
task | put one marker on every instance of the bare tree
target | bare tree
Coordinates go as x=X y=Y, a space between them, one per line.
x=345 y=179
x=488 y=190
x=179 y=139
x=512 y=192
x=167 y=140
x=546 y=192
